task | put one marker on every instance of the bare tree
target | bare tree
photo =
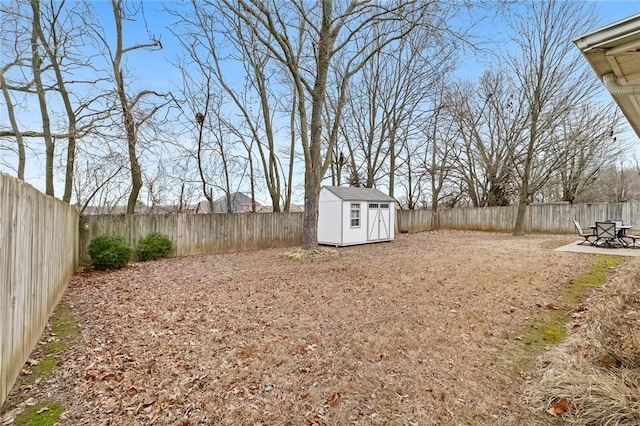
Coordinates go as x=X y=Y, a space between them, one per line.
x=63 y=31
x=99 y=180
x=491 y=120
x=36 y=69
x=441 y=134
x=588 y=134
x=13 y=35
x=213 y=41
x=131 y=107
x=547 y=72
x=325 y=28
x=391 y=92
x=60 y=43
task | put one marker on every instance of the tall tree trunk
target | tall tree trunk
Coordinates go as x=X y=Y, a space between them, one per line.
x=203 y=179
x=127 y=116
x=227 y=181
x=252 y=183
x=22 y=158
x=518 y=229
x=292 y=153
x=64 y=94
x=310 y=218
x=134 y=164
x=36 y=63
x=392 y=163
x=313 y=163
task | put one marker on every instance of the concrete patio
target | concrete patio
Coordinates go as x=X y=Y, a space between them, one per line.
x=575 y=247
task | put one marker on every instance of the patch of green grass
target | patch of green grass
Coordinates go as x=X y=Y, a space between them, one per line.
x=64 y=323
x=549 y=326
x=65 y=327
x=45 y=413
x=45 y=366
x=55 y=347
x=578 y=287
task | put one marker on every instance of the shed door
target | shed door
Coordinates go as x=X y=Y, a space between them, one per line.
x=378 y=221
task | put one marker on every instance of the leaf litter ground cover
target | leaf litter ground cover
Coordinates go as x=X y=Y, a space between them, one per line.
x=420 y=330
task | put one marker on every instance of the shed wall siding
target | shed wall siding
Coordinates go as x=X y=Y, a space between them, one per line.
x=329 y=210
x=354 y=235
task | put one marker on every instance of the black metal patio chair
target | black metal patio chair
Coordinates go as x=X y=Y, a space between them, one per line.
x=606 y=234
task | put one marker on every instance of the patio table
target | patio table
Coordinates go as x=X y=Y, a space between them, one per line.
x=622 y=230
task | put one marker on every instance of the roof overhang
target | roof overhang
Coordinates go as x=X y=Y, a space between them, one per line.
x=614 y=54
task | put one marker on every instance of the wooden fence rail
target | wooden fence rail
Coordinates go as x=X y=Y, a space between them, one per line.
x=198 y=233
x=38 y=256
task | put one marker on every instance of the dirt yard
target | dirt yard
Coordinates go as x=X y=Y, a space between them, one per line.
x=419 y=331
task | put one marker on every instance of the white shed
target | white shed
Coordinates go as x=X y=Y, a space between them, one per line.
x=349 y=216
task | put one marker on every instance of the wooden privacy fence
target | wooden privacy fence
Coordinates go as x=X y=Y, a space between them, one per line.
x=38 y=256
x=198 y=233
x=540 y=218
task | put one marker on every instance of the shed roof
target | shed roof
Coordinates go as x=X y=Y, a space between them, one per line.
x=349 y=193
x=614 y=54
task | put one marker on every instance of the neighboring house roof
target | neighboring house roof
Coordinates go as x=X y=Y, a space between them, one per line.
x=238 y=201
x=349 y=193
x=614 y=54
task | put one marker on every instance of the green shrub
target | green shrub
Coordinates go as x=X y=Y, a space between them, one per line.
x=109 y=252
x=154 y=246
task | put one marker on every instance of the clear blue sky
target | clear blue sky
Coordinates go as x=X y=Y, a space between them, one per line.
x=155 y=66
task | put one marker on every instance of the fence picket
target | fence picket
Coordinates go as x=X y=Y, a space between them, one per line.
x=198 y=233
x=541 y=218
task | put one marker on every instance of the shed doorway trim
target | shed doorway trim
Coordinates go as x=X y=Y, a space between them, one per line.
x=378 y=221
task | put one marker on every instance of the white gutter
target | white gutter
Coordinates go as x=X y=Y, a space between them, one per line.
x=610 y=82
x=616 y=31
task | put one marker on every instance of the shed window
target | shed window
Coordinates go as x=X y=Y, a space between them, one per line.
x=384 y=206
x=355 y=215
x=373 y=205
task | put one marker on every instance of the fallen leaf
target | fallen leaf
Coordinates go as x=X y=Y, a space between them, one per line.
x=303 y=350
x=333 y=398
x=248 y=351
x=42 y=410
x=181 y=318
x=7 y=419
x=314 y=419
x=561 y=406
x=552 y=306
x=304 y=395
